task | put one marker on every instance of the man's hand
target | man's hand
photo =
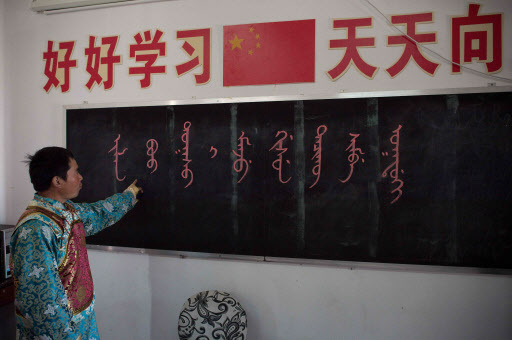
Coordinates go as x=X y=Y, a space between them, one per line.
x=135 y=190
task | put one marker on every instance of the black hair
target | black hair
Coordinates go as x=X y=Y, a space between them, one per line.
x=47 y=163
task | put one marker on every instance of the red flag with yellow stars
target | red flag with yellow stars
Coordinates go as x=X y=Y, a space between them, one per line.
x=269 y=53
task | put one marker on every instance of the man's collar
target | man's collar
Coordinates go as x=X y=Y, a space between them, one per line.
x=47 y=202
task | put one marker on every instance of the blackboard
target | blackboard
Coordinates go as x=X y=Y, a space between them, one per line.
x=408 y=179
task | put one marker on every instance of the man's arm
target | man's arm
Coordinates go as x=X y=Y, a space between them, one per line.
x=102 y=214
x=41 y=301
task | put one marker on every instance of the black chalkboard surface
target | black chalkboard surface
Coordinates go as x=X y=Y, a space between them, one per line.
x=409 y=180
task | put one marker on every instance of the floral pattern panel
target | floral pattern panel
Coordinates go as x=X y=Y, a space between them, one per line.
x=212 y=315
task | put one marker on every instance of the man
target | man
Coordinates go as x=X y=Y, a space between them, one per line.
x=53 y=283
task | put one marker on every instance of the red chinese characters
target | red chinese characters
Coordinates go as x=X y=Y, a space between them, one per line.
x=198 y=46
x=411 y=50
x=58 y=64
x=147 y=50
x=101 y=61
x=350 y=45
x=477 y=37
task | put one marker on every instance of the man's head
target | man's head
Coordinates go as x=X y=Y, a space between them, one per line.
x=55 y=169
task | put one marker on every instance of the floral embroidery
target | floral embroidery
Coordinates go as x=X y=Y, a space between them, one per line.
x=24 y=233
x=44 y=337
x=50 y=310
x=46 y=233
x=64 y=301
x=108 y=206
x=36 y=271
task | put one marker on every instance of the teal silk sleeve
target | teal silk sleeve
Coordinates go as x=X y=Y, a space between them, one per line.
x=102 y=214
x=41 y=302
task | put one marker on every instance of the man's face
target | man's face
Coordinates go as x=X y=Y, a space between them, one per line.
x=72 y=185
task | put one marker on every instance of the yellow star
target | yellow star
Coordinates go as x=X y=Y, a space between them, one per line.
x=258 y=45
x=251 y=52
x=257 y=36
x=251 y=29
x=236 y=43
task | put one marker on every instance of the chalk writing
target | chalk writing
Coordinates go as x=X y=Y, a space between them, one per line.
x=214 y=150
x=353 y=158
x=185 y=137
x=152 y=146
x=116 y=156
x=241 y=163
x=278 y=163
x=395 y=166
x=317 y=169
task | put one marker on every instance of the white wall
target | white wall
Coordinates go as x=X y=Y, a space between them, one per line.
x=285 y=301
x=139 y=296
x=3 y=149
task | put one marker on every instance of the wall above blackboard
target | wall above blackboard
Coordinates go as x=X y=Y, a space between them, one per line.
x=398 y=179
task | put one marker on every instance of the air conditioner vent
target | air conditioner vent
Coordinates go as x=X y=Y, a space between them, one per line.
x=51 y=5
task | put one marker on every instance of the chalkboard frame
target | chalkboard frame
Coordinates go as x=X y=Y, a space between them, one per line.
x=296 y=261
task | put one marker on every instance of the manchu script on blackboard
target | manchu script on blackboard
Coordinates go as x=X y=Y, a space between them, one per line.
x=241 y=164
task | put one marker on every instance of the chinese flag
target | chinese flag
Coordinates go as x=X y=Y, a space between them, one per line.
x=269 y=53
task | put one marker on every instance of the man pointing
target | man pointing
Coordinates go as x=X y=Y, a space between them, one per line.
x=52 y=277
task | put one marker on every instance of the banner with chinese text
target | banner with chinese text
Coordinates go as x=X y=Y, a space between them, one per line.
x=372 y=46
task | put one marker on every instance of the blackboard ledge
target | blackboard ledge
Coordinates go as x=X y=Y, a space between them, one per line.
x=175 y=253
x=352 y=265
x=339 y=95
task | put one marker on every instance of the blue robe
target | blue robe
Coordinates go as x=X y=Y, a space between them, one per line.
x=53 y=284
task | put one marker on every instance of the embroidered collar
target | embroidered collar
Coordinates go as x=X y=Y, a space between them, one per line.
x=52 y=205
